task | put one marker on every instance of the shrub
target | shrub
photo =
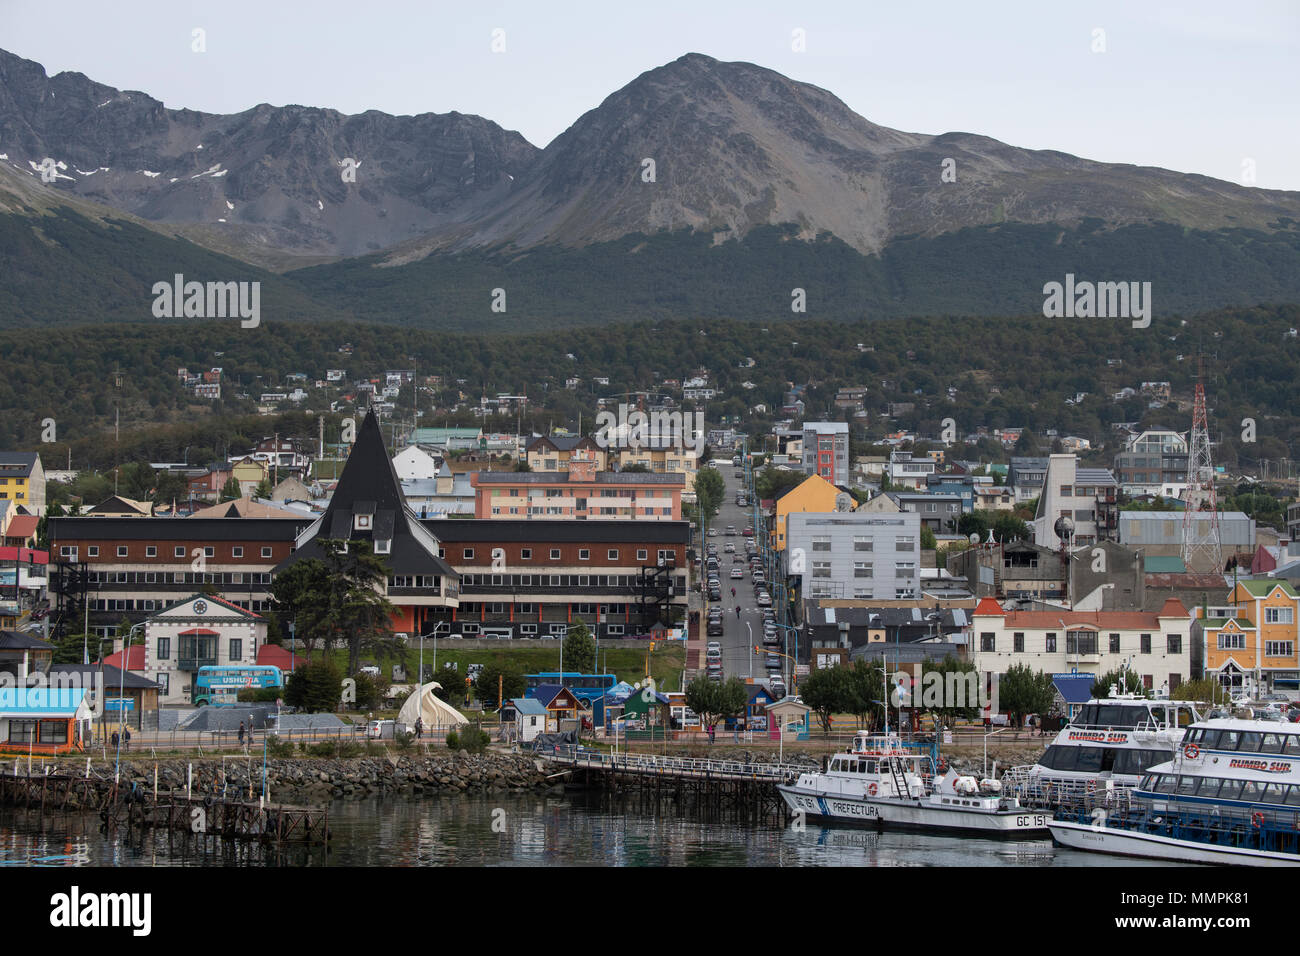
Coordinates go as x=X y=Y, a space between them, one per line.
x=275 y=747
x=453 y=740
x=404 y=741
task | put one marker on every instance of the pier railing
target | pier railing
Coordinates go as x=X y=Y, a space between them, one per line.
x=655 y=764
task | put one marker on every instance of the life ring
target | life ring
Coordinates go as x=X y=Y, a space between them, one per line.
x=1257 y=820
x=1092 y=786
x=1191 y=751
x=871 y=789
x=943 y=765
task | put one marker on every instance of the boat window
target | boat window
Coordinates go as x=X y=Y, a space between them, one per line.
x=1231 y=790
x=1088 y=715
x=1209 y=739
x=1184 y=717
x=1209 y=786
x=1271 y=744
x=1166 y=783
x=1292 y=748
x=1293 y=796
x=1187 y=785
x=1250 y=742
x=1251 y=791
x=1274 y=793
x=1089 y=759
x=1134 y=715
x=871 y=766
x=1148 y=781
x=1193 y=736
x=1228 y=740
x=1108 y=756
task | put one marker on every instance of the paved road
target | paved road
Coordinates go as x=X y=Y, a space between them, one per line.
x=741 y=634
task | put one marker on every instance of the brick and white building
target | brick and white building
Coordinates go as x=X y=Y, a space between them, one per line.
x=1155 y=645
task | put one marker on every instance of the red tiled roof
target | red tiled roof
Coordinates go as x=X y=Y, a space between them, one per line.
x=988 y=606
x=135 y=658
x=203 y=631
x=1130 y=620
x=22 y=526
x=272 y=655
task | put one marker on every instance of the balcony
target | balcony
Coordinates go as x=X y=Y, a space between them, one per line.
x=194 y=663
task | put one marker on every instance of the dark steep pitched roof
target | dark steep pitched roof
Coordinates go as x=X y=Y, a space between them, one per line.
x=369 y=486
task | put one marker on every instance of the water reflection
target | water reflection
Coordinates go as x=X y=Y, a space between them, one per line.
x=519 y=830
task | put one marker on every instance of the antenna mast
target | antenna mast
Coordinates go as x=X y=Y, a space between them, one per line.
x=1202 y=544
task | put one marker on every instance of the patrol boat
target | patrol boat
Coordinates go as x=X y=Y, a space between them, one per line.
x=879 y=782
x=1231 y=795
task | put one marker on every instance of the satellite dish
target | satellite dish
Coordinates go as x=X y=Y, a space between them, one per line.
x=974 y=539
x=842 y=502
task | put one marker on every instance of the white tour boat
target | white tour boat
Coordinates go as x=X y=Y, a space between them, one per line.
x=880 y=782
x=1231 y=795
x=1110 y=743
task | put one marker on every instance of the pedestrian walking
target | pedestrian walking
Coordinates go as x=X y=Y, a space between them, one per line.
x=419 y=727
x=241 y=733
x=126 y=739
x=713 y=729
x=115 y=739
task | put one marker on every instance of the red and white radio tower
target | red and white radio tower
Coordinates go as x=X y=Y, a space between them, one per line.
x=1202 y=546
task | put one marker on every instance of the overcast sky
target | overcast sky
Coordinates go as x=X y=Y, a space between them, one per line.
x=1194 y=87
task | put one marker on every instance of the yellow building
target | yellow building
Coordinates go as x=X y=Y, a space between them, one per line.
x=249 y=472
x=1254 y=636
x=552 y=452
x=814 y=494
x=22 y=480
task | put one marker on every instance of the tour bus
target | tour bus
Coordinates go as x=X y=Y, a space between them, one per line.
x=219 y=686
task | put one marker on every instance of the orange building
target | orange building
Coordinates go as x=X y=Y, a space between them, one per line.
x=1250 y=642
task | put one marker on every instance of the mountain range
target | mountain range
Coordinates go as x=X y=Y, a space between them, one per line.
x=700 y=187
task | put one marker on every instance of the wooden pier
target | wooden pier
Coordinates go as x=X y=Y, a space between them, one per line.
x=136 y=807
x=713 y=790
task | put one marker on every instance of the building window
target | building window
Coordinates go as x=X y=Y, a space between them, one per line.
x=266 y=552
x=164 y=648
x=555 y=554
x=1114 y=643
x=642 y=554
x=1080 y=642
x=1279 y=615
x=821 y=569
x=862 y=543
x=1145 y=644
x=121 y=551
x=904 y=569
x=1174 y=643
x=384 y=546
x=1051 y=643
x=236 y=552
x=92 y=551
x=1018 y=642
x=468 y=554
x=1279 y=648
x=209 y=552
x=236 y=649
x=584 y=554
x=904 y=543
x=525 y=554
x=151 y=551
x=1066 y=491
x=821 y=543
x=164 y=682
x=987 y=642
x=862 y=569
